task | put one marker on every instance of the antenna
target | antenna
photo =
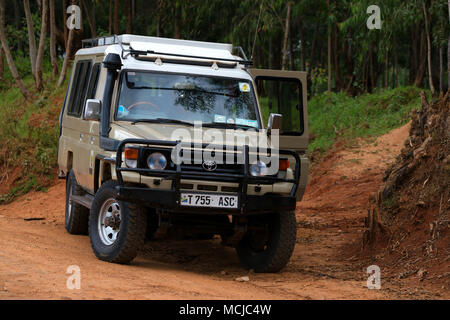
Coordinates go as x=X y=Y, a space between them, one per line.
x=256 y=30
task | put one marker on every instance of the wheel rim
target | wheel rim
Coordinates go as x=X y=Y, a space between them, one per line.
x=109 y=220
x=69 y=205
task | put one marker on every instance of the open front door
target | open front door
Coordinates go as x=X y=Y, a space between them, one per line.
x=284 y=92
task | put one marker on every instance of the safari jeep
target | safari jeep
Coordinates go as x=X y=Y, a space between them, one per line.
x=141 y=150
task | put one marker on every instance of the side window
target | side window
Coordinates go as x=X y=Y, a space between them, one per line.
x=79 y=87
x=93 y=81
x=283 y=96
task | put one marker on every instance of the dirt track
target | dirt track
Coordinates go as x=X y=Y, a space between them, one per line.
x=35 y=254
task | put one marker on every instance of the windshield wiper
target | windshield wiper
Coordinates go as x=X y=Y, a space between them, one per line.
x=163 y=120
x=227 y=125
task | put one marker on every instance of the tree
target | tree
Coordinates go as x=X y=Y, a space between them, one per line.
x=129 y=14
x=91 y=20
x=53 y=57
x=430 y=76
x=31 y=37
x=286 y=34
x=40 y=53
x=2 y=61
x=9 y=58
x=116 y=12
x=110 y=17
x=65 y=64
x=329 y=51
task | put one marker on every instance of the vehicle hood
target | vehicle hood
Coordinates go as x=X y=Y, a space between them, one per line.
x=173 y=132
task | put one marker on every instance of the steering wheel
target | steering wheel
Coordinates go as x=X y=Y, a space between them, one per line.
x=142 y=103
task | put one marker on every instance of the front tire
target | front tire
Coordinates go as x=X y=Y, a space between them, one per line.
x=116 y=228
x=269 y=242
x=76 y=216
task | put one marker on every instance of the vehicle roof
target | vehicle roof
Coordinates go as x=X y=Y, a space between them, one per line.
x=214 y=52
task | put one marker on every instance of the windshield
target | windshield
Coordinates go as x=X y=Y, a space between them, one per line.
x=148 y=96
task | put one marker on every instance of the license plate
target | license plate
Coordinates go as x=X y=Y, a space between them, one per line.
x=209 y=200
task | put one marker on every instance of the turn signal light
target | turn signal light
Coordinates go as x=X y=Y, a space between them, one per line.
x=131 y=153
x=131 y=157
x=283 y=164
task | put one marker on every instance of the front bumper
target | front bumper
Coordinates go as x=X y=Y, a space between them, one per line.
x=169 y=199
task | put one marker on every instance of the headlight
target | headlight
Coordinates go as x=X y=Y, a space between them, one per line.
x=258 y=169
x=157 y=161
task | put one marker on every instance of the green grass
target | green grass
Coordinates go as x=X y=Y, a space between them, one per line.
x=339 y=116
x=29 y=134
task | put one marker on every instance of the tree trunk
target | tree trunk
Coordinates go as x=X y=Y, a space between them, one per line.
x=386 y=70
x=64 y=23
x=286 y=34
x=448 y=53
x=110 y=17
x=2 y=62
x=177 y=21
x=441 y=68
x=65 y=65
x=422 y=58
x=91 y=21
x=40 y=53
x=302 y=48
x=395 y=73
x=329 y=53
x=31 y=37
x=430 y=75
x=313 y=50
x=116 y=13
x=372 y=80
x=291 y=50
x=337 y=78
x=17 y=23
x=158 y=18
x=9 y=58
x=129 y=14
x=413 y=66
x=53 y=58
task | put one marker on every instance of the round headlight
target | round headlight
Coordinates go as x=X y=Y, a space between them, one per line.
x=258 y=169
x=157 y=161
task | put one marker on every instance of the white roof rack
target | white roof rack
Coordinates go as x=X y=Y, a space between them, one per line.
x=142 y=46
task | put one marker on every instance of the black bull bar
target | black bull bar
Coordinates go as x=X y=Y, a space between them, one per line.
x=169 y=199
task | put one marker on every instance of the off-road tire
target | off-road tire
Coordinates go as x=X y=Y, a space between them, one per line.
x=131 y=231
x=280 y=245
x=76 y=221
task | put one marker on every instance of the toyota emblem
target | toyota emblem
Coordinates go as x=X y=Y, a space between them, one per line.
x=209 y=165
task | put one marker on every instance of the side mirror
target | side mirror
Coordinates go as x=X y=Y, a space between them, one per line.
x=92 y=109
x=274 y=122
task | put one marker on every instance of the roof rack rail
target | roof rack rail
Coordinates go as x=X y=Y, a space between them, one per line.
x=136 y=53
x=100 y=41
x=115 y=39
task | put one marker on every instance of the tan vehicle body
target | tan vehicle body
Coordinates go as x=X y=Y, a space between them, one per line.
x=79 y=142
x=91 y=164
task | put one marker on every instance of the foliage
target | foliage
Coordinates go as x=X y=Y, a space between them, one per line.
x=29 y=134
x=339 y=116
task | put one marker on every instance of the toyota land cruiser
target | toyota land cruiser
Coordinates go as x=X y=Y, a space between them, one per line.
x=166 y=137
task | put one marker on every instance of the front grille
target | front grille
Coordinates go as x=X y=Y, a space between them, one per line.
x=187 y=186
x=221 y=168
x=230 y=189
x=205 y=187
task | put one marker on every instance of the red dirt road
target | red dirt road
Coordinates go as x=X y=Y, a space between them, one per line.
x=35 y=254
